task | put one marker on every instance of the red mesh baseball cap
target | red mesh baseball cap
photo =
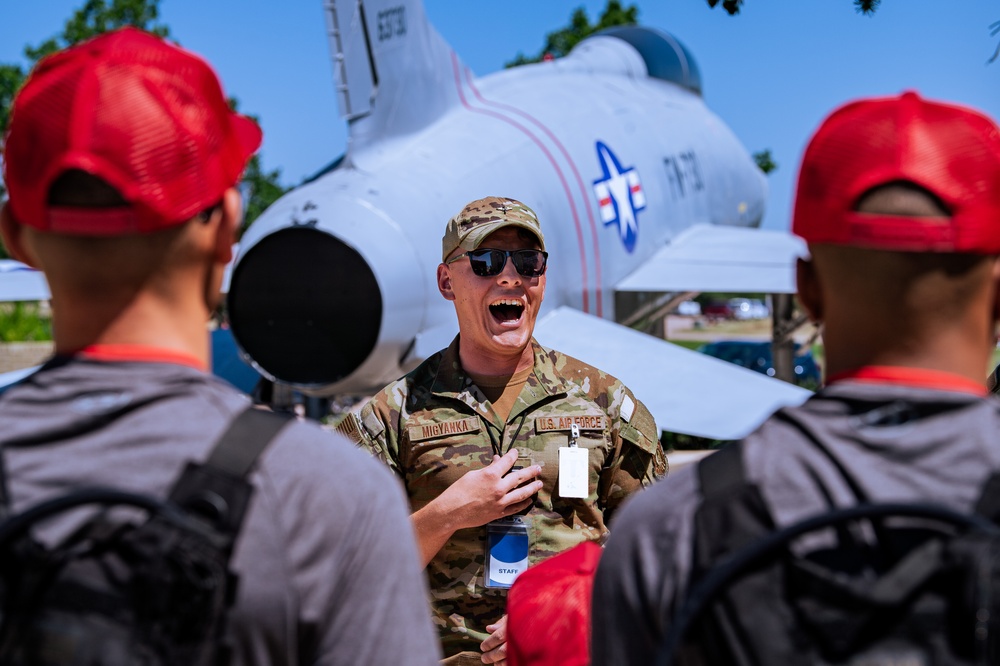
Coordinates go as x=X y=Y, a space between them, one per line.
x=948 y=150
x=146 y=116
x=548 y=610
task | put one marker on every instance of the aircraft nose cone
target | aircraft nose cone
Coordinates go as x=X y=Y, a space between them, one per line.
x=305 y=306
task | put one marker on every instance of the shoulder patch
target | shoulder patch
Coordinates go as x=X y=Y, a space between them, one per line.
x=350 y=427
x=372 y=423
x=419 y=433
x=564 y=421
x=627 y=409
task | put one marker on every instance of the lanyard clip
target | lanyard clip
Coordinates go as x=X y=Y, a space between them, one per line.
x=574 y=434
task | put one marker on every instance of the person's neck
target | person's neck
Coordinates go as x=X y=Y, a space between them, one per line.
x=952 y=350
x=149 y=322
x=484 y=363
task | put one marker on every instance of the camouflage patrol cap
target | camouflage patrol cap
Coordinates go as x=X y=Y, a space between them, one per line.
x=480 y=218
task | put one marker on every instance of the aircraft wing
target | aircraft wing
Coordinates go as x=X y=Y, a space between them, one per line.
x=706 y=257
x=8 y=379
x=687 y=392
x=19 y=282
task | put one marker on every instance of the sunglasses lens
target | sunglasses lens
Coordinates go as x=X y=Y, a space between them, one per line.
x=529 y=263
x=487 y=263
x=490 y=263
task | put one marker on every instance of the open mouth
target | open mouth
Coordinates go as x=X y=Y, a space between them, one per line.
x=507 y=310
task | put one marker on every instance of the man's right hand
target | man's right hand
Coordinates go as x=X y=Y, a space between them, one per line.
x=483 y=495
x=475 y=499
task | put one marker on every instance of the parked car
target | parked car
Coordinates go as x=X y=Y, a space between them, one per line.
x=689 y=308
x=756 y=355
x=749 y=308
x=717 y=310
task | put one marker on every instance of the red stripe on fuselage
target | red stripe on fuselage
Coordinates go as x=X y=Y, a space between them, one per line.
x=583 y=191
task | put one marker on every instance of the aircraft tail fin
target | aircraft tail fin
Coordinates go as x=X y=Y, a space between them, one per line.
x=393 y=71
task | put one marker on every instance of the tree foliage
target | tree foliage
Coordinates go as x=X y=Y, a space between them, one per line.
x=764 y=161
x=96 y=17
x=24 y=322
x=562 y=41
x=261 y=188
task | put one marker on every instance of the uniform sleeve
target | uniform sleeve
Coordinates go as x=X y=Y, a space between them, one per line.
x=637 y=458
x=378 y=426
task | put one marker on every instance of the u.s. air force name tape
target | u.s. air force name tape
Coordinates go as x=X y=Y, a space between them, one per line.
x=583 y=421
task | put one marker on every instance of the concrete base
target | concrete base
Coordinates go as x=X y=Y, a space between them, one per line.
x=20 y=355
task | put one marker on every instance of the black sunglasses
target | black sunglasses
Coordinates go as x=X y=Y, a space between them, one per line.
x=490 y=263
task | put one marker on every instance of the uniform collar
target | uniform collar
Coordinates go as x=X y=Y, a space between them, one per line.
x=451 y=381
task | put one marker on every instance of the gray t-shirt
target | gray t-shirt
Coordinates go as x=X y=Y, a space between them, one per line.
x=898 y=443
x=326 y=557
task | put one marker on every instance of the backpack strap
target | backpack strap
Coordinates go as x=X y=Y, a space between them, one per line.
x=217 y=491
x=731 y=515
x=988 y=504
x=732 y=512
x=248 y=435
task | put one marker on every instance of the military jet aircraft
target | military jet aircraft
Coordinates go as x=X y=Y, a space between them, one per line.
x=639 y=187
x=19 y=282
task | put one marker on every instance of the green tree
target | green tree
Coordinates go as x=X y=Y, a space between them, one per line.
x=562 y=41
x=260 y=187
x=764 y=161
x=96 y=17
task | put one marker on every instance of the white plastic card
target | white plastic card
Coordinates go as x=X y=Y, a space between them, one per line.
x=574 y=464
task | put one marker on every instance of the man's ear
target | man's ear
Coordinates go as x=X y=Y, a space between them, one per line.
x=809 y=289
x=996 y=289
x=444 y=282
x=13 y=237
x=232 y=216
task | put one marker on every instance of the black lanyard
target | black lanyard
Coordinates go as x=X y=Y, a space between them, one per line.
x=498 y=446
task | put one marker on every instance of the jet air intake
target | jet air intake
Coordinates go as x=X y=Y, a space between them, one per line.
x=305 y=307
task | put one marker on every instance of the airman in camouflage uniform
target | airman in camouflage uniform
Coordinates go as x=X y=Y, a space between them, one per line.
x=435 y=425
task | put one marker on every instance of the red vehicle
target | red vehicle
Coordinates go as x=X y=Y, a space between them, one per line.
x=715 y=310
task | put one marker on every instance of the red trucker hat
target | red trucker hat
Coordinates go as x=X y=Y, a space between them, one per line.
x=144 y=115
x=948 y=150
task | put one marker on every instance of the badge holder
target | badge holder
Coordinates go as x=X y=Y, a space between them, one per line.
x=574 y=466
x=507 y=547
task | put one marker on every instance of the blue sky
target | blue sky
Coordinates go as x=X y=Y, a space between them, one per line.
x=771 y=73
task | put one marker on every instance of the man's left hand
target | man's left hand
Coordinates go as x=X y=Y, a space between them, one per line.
x=495 y=647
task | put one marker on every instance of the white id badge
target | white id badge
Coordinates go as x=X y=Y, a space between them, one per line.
x=574 y=472
x=507 y=547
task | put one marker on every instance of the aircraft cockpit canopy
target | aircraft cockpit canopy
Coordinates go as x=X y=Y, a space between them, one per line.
x=665 y=57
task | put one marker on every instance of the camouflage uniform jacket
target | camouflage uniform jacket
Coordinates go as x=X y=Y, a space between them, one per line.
x=434 y=424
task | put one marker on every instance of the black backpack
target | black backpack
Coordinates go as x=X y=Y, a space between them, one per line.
x=150 y=587
x=887 y=584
